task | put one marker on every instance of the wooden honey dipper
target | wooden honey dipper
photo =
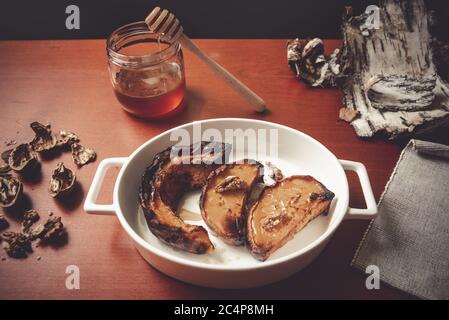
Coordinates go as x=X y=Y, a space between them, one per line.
x=163 y=22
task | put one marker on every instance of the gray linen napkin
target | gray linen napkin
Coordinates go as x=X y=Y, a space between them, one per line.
x=409 y=239
x=430 y=148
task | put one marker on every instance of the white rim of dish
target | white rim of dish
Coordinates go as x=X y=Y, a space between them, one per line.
x=265 y=264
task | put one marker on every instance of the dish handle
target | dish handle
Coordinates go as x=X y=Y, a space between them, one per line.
x=371 y=207
x=90 y=205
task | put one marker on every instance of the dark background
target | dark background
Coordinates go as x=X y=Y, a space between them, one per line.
x=45 y=19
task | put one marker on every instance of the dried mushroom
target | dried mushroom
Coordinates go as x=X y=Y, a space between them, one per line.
x=10 y=190
x=3 y=222
x=22 y=157
x=67 y=138
x=62 y=180
x=16 y=245
x=82 y=155
x=44 y=139
x=29 y=218
x=308 y=61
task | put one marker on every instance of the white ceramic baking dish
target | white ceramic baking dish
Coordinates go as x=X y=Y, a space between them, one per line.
x=229 y=266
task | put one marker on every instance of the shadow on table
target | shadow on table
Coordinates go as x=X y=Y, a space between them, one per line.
x=73 y=200
x=22 y=205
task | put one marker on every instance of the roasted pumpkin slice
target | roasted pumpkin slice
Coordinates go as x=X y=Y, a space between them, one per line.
x=173 y=172
x=282 y=210
x=224 y=196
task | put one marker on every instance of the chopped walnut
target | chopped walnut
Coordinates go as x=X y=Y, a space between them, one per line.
x=67 y=138
x=22 y=157
x=82 y=155
x=53 y=229
x=62 y=181
x=10 y=190
x=29 y=218
x=276 y=220
x=45 y=139
x=17 y=245
x=230 y=183
x=37 y=232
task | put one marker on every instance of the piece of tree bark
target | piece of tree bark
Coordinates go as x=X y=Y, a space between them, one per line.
x=398 y=51
x=388 y=74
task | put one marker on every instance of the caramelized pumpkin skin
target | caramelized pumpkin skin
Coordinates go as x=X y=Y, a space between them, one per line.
x=163 y=184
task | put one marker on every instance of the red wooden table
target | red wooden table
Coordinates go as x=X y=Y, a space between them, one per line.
x=67 y=84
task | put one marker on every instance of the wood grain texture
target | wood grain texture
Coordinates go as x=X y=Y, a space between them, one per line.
x=66 y=83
